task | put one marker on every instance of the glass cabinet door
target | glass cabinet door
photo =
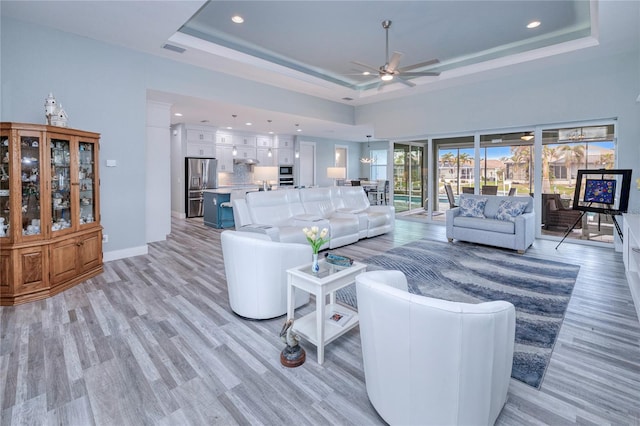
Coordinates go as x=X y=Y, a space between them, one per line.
x=86 y=181
x=5 y=167
x=30 y=182
x=60 y=185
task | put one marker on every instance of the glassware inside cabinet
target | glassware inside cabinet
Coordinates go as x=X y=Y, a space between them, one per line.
x=30 y=182
x=60 y=185
x=86 y=180
x=4 y=186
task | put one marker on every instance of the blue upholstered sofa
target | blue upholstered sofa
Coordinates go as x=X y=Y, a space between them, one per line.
x=491 y=224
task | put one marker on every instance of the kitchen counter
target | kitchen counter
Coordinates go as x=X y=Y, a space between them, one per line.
x=215 y=214
x=228 y=189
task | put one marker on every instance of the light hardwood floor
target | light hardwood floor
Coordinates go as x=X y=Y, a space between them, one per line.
x=152 y=341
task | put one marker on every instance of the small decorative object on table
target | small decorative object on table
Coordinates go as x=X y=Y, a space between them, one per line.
x=336 y=259
x=317 y=239
x=293 y=355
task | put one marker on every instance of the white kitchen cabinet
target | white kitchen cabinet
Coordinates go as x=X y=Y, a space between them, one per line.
x=285 y=156
x=243 y=140
x=264 y=158
x=199 y=135
x=263 y=141
x=224 y=139
x=245 y=151
x=200 y=142
x=284 y=141
x=200 y=149
x=225 y=158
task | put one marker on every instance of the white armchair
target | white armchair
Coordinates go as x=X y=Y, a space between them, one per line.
x=430 y=361
x=256 y=273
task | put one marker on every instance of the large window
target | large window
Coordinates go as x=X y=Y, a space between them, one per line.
x=564 y=152
x=507 y=162
x=379 y=167
x=407 y=177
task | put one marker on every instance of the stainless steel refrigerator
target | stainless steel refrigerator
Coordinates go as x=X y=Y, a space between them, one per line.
x=200 y=174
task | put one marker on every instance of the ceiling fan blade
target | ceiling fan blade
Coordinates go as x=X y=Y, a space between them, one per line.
x=369 y=67
x=406 y=82
x=394 y=62
x=420 y=65
x=421 y=74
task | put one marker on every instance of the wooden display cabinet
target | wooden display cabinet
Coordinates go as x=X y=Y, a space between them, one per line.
x=50 y=233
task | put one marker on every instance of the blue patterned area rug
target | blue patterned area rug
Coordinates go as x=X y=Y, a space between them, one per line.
x=539 y=289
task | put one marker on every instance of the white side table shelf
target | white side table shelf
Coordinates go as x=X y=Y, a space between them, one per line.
x=631 y=255
x=316 y=327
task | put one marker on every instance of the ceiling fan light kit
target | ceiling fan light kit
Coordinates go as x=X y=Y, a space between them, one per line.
x=390 y=69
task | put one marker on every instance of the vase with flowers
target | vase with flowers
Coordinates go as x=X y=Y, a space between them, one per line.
x=317 y=238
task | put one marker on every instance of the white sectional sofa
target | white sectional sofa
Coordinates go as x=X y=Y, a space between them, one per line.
x=344 y=210
x=515 y=233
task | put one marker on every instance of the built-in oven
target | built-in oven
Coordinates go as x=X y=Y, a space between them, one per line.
x=285 y=176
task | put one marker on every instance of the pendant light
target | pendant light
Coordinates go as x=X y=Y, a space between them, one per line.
x=366 y=159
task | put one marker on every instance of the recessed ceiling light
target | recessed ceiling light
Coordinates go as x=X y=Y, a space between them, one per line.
x=229 y=127
x=299 y=130
x=177 y=114
x=248 y=123
x=270 y=133
x=237 y=19
x=366 y=73
x=533 y=24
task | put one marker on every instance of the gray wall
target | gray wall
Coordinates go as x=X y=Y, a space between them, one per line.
x=325 y=157
x=103 y=88
x=562 y=94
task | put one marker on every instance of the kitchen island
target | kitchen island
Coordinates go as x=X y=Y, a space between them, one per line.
x=216 y=213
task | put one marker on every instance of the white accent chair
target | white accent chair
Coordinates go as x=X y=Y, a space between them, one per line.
x=429 y=361
x=256 y=270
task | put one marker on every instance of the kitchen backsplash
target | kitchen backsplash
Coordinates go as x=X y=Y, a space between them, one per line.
x=242 y=175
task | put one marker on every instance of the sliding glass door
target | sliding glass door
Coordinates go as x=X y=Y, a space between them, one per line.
x=408 y=177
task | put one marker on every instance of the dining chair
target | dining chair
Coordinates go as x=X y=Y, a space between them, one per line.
x=355 y=183
x=489 y=190
x=450 y=196
x=513 y=191
x=378 y=192
x=467 y=190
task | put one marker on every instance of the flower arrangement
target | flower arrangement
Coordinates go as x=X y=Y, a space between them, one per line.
x=316 y=237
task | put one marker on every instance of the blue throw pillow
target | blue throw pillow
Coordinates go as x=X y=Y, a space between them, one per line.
x=472 y=207
x=509 y=210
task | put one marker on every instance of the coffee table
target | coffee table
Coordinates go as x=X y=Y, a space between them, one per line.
x=316 y=327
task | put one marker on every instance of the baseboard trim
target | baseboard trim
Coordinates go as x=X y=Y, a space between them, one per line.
x=108 y=256
x=178 y=214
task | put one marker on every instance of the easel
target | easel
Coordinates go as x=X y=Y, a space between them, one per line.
x=615 y=222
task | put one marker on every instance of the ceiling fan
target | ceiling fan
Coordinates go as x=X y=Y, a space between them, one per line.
x=390 y=70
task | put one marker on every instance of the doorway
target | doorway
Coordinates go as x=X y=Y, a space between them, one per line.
x=408 y=177
x=307 y=169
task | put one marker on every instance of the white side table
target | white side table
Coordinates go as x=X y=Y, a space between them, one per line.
x=316 y=327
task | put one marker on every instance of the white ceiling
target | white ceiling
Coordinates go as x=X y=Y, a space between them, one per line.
x=308 y=46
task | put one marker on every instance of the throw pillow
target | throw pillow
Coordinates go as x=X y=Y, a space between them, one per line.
x=472 y=206
x=509 y=210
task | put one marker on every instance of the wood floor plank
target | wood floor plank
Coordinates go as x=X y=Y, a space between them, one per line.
x=152 y=340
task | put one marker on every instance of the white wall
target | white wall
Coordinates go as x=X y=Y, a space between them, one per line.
x=103 y=89
x=564 y=93
x=158 y=177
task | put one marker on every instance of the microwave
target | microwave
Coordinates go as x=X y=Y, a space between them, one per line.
x=286 y=170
